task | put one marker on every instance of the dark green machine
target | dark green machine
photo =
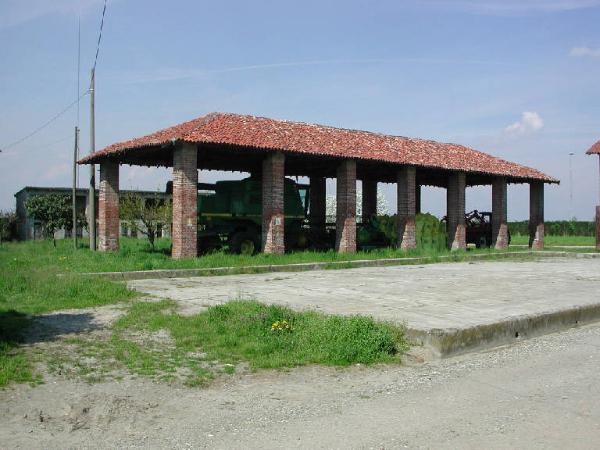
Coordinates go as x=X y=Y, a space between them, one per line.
x=230 y=214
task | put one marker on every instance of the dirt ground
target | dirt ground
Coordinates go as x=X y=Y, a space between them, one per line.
x=540 y=393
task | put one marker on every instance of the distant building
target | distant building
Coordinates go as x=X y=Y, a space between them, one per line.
x=28 y=228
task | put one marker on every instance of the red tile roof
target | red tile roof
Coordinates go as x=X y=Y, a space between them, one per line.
x=594 y=149
x=298 y=137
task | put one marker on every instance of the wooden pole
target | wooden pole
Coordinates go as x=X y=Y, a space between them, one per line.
x=92 y=186
x=74 y=193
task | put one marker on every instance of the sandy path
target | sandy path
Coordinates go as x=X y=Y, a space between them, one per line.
x=543 y=392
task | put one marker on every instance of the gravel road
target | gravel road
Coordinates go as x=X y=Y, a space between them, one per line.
x=539 y=393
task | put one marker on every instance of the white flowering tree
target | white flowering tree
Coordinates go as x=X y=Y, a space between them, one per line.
x=382 y=206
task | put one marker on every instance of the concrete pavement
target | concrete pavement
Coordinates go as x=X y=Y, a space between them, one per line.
x=478 y=301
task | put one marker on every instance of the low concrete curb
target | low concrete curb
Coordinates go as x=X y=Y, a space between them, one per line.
x=301 y=267
x=443 y=343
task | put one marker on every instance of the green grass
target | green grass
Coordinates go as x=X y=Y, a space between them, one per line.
x=217 y=340
x=37 y=278
x=30 y=284
x=136 y=254
x=14 y=364
x=556 y=240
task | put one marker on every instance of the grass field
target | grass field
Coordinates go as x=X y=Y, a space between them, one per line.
x=37 y=278
x=556 y=240
x=136 y=254
x=30 y=284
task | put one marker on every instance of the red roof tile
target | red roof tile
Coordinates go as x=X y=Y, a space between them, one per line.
x=298 y=137
x=594 y=149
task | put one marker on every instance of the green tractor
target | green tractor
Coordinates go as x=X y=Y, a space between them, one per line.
x=230 y=216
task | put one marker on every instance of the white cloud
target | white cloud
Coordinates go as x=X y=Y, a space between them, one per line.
x=17 y=12
x=530 y=122
x=583 y=52
x=56 y=172
x=512 y=7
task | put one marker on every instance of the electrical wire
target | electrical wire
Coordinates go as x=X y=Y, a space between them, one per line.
x=68 y=107
x=47 y=145
x=45 y=124
x=99 y=36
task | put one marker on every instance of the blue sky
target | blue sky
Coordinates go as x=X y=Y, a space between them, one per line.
x=517 y=79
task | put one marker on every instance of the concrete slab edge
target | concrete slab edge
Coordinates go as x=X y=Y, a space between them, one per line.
x=443 y=343
x=300 y=267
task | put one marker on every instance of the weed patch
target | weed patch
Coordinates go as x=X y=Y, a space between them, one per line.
x=152 y=340
x=14 y=364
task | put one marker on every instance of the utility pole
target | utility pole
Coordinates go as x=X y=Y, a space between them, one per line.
x=92 y=187
x=571 y=185
x=74 y=194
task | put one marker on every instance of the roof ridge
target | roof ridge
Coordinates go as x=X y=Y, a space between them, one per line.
x=202 y=120
x=312 y=124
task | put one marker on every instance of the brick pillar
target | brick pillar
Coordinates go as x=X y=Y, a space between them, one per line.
x=406 y=208
x=317 y=203
x=369 y=199
x=345 y=239
x=108 y=207
x=185 y=194
x=455 y=197
x=499 y=213
x=418 y=199
x=598 y=227
x=536 y=215
x=272 y=203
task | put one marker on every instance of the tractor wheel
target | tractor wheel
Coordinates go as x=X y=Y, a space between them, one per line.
x=244 y=243
x=207 y=245
x=483 y=242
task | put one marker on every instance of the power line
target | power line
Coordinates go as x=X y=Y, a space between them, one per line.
x=78 y=62
x=45 y=124
x=76 y=102
x=99 y=36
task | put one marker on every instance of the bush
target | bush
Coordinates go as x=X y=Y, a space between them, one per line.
x=8 y=226
x=430 y=231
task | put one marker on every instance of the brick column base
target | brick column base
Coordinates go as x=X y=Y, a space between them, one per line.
x=369 y=199
x=455 y=197
x=345 y=239
x=499 y=213
x=108 y=207
x=272 y=203
x=317 y=203
x=407 y=238
x=185 y=195
x=598 y=227
x=536 y=215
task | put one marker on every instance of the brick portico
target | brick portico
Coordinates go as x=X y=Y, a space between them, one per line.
x=277 y=149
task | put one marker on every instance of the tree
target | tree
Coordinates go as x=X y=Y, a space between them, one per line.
x=146 y=216
x=8 y=225
x=54 y=211
x=331 y=204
